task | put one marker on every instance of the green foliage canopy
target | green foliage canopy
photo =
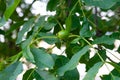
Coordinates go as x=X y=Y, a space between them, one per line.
x=85 y=27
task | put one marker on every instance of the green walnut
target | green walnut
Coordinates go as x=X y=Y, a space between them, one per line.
x=63 y=34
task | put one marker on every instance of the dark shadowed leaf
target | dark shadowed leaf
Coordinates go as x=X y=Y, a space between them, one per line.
x=75 y=23
x=85 y=31
x=69 y=75
x=31 y=74
x=2 y=7
x=115 y=35
x=51 y=6
x=2 y=32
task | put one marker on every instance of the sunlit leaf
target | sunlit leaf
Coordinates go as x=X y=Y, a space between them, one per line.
x=93 y=71
x=42 y=58
x=14 y=27
x=101 y=3
x=46 y=75
x=49 y=25
x=11 y=72
x=25 y=28
x=10 y=8
x=73 y=62
x=28 y=55
x=39 y=23
x=68 y=23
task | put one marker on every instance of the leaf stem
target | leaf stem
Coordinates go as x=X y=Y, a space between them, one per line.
x=30 y=74
x=59 y=24
x=98 y=55
x=73 y=8
x=80 y=4
x=74 y=36
x=44 y=37
x=112 y=54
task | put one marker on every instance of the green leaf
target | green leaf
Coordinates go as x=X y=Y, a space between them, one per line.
x=25 y=28
x=72 y=49
x=11 y=72
x=93 y=71
x=116 y=66
x=115 y=74
x=2 y=32
x=60 y=61
x=115 y=35
x=101 y=3
x=27 y=73
x=75 y=24
x=2 y=21
x=74 y=41
x=71 y=75
x=49 y=25
x=95 y=59
x=68 y=23
x=104 y=40
x=85 y=58
x=116 y=78
x=28 y=55
x=10 y=8
x=73 y=62
x=26 y=49
x=31 y=74
x=46 y=75
x=85 y=31
x=42 y=58
x=51 y=6
x=39 y=23
x=26 y=42
x=14 y=26
x=106 y=77
x=2 y=7
x=50 y=38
